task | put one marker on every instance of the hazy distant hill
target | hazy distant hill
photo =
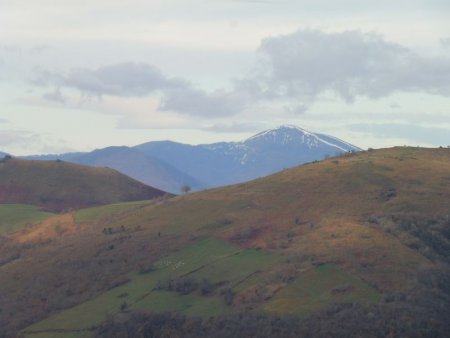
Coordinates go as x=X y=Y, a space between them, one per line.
x=168 y=165
x=263 y=154
x=213 y=168
x=50 y=157
x=355 y=246
x=139 y=166
x=58 y=185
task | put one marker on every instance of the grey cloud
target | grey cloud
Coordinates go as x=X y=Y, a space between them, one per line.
x=309 y=62
x=394 y=105
x=38 y=49
x=55 y=96
x=46 y=78
x=413 y=134
x=11 y=49
x=294 y=69
x=124 y=79
x=254 y=1
x=140 y=79
x=10 y=137
x=31 y=141
x=445 y=42
x=17 y=50
x=198 y=102
x=237 y=127
x=2 y=120
x=297 y=109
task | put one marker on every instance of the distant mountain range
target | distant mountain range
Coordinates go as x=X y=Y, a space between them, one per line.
x=263 y=154
x=167 y=165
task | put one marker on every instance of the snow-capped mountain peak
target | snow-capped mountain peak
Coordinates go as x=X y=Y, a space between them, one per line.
x=290 y=134
x=286 y=141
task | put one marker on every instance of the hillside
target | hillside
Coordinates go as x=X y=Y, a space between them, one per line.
x=14 y=217
x=139 y=166
x=357 y=245
x=58 y=185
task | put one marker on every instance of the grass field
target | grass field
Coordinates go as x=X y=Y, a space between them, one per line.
x=15 y=217
x=221 y=263
x=318 y=287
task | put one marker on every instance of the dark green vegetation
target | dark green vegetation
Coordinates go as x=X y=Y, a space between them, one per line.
x=350 y=246
x=338 y=320
x=58 y=186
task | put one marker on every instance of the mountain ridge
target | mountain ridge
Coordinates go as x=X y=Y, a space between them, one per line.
x=168 y=165
x=259 y=155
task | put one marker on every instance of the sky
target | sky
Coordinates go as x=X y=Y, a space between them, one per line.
x=76 y=75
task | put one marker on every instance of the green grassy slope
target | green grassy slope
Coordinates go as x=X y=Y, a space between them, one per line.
x=96 y=214
x=14 y=217
x=208 y=268
x=204 y=273
x=57 y=185
x=370 y=229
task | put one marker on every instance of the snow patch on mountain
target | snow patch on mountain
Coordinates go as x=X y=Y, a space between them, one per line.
x=283 y=136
